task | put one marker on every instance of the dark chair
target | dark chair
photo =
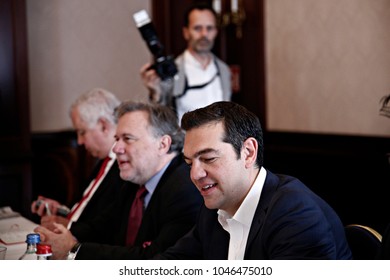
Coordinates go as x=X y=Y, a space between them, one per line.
x=364 y=242
x=385 y=248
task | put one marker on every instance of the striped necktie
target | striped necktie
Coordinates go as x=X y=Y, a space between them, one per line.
x=97 y=178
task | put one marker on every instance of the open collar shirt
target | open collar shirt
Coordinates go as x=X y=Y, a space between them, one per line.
x=239 y=225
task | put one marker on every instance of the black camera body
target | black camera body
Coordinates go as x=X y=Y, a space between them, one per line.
x=163 y=64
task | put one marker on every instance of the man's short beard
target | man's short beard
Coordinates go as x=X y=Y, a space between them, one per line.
x=203 y=50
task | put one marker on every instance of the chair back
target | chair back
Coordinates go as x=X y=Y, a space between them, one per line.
x=364 y=242
x=385 y=248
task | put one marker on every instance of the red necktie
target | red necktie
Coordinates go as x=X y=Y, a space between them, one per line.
x=100 y=173
x=135 y=216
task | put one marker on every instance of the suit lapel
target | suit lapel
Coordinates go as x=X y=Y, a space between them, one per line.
x=219 y=243
x=171 y=168
x=267 y=194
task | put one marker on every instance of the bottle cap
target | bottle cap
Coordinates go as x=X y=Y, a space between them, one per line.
x=43 y=249
x=33 y=238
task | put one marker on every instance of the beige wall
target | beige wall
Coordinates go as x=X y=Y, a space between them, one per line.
x=328 y=62
x=75 y=45
x=328 y=65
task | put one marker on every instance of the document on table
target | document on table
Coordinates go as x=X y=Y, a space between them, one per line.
x=14 y=227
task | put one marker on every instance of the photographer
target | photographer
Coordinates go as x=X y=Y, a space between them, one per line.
x=202 y=78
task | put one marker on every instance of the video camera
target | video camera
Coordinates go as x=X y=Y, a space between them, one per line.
x=164 y=65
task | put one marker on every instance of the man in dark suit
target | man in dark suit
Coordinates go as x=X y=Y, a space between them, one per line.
x=148 y=147
x=92 y=115
x=249 y=212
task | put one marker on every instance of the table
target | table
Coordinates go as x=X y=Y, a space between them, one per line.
x=14 y=251
x=13 y=232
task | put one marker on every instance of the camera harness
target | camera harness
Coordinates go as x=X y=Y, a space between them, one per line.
x=187 y=87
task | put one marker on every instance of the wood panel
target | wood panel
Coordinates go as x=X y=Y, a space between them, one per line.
x=15 y=147
x=167 y=17
x=61 y=168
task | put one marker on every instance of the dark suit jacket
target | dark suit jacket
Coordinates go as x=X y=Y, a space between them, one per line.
x=170 y=214
x=107 y=191
x=290 y=222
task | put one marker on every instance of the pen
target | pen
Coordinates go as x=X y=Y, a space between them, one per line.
x=48 y=212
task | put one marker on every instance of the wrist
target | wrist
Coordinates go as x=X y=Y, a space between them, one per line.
x=154 y=96
x=73 y=252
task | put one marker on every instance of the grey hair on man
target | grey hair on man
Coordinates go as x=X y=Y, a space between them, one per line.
x=95 y=104
x=162 y=119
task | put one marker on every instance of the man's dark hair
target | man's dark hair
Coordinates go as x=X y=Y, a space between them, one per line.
x=162 y=119
x=198 y=6
x=239 y=124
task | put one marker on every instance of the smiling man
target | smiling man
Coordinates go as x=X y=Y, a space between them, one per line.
x=249 y=213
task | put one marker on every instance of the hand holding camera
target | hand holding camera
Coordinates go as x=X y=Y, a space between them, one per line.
x=164 y=65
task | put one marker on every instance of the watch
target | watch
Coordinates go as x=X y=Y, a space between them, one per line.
x=73 y=252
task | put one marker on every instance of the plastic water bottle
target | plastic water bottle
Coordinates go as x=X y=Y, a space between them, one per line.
x=32 y=240
x=44 y=252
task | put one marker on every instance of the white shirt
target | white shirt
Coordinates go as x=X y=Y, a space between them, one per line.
x=239 y=225
x=196 y=75
x=80 y=209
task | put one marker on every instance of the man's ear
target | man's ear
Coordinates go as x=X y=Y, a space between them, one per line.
x=249 y=151
x=165 y=144
x=104 y=124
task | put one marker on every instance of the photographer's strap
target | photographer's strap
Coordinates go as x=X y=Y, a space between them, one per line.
x=187 y=87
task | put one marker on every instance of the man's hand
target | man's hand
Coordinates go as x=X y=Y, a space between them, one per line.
x=48 y=221
x=60 y=239
x=151 y=81
x=46 y=203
